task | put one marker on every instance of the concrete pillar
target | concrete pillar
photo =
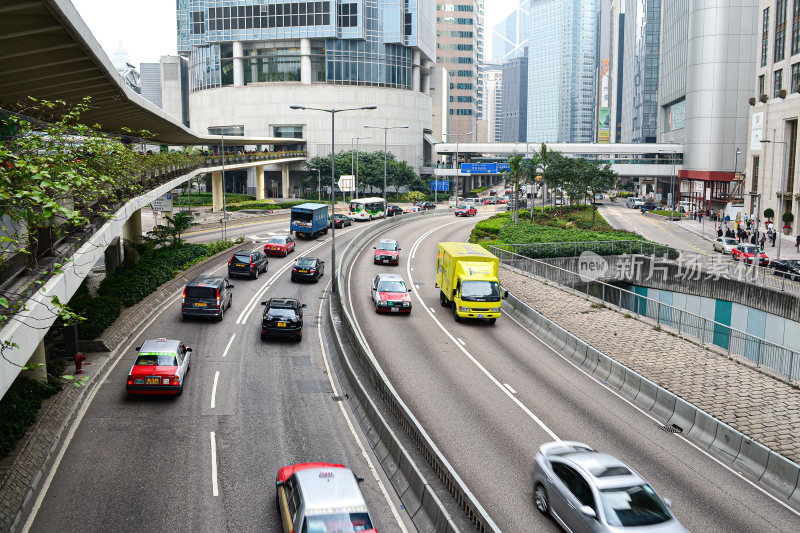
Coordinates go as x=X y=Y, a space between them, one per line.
x=425 y=80
x=132 y=232
x=113 y=257
x=216 y=191
x=254 y=62
x=415 y=71
x=305 y=61
x=285 y=191
x=38 y=364
x=260 y=182
x=238 y=64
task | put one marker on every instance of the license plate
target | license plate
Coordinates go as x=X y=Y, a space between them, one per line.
x=385 y=260
x=303 y=271
x=239 y=264
x=480 y=316
x=153 y=381
x=281 y=324
x=200 y=304
x=395 y=310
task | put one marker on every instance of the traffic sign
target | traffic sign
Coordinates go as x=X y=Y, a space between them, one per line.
x=440 y=185
x=346 y=183
x=162 y=203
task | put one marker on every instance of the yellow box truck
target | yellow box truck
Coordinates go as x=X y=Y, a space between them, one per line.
x=466 y=275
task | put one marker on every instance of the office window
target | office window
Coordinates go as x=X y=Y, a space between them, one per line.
x=198 y=22
x=795 y=88
x=780 y=31
x=764 y=36
x=754 y=185
x=760 y=86
x=796 y=27
x=778 y=83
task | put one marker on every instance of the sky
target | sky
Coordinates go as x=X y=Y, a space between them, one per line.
x=147 y=28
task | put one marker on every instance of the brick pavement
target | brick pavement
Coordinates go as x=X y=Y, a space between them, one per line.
x=763 y=408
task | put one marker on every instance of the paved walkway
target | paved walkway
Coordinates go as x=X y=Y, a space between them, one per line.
x=763 y=408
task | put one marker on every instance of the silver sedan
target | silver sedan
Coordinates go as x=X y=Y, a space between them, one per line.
x=725 y=244
x=590 y=492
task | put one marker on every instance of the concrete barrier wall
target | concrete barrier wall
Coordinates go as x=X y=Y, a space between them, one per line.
x=426 y=510
x=754 y=460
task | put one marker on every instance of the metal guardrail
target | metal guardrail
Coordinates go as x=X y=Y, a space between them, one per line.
x=762 y=352
x=574 y=249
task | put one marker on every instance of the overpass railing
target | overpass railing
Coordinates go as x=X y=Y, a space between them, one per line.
x=762 y=352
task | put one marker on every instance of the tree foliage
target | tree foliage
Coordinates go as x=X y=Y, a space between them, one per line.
x=370 y=170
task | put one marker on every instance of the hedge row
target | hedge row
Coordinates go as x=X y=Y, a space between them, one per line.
x=18 y=409
x=264 y=204
x=206 y=198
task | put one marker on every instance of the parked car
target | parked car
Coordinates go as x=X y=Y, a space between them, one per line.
x=387 y=252
x=244 y=263
x=634 y=203
x=393 y=210
x=589 y=491
x=390 y=295
x=280 y=245
x=426 y=205
x=338 y=220
x=311 y=268
x=321 y=497
x=747 y=253
x=725 y=244
x=492 y=200
x=648 y=206
x=206 y=296
x=160 y=367
x=283 y=317
x=466 y=210
x=412 y=209
x=786 y=268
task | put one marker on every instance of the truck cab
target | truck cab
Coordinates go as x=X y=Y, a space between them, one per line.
x=467 y=275
x=309 y=220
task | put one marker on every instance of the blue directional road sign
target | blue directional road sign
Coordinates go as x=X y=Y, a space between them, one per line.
x=479 y=168
x=440 y=185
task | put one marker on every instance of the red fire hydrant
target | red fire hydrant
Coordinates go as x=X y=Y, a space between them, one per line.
x=79 y=359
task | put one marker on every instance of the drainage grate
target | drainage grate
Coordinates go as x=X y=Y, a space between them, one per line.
x=671 y=429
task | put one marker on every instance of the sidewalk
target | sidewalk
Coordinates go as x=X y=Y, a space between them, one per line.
x=763 y=408
x=788 y=248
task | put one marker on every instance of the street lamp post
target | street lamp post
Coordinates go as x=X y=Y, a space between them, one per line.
x=672 y=194
x=455 y=161
x=783 y=184
x=385 y=130
x=357 y=154
x=319 y=184
x=333 y=171
x=224 y=204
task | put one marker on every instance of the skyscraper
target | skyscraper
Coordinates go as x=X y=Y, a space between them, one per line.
x=493 y=99
x=514 y=113
x=510 y=36
x=640 y=78
x=562 y=70
x=250 y=59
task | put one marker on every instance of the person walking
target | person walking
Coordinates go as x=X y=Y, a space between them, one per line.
x=797 y=243
x=700 y=217
x=772 y=235
x=719 y=231
x=763 y=240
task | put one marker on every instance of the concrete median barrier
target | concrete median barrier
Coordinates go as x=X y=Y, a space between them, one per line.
x=630 y=387
x=580 y=351
x=646 y=397
x=704 y=430
x=591 y=360
x=617 y=376
x=783 y=476
x=752 y=459
x=727 y=442
x=683 y=415
x=664 y=406
x=603 y=368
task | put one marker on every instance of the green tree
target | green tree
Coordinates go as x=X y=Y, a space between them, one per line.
x=519 y=170
x=558 y=173
x=172 y=230
x=597 y=178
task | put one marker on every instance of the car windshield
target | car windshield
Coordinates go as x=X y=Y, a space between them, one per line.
x=339 y=523
x=392 y=286
x=306 y=262
x=480 y=291
x=633 y=506
x=730 y=241
x=277 y=240
x=277 y=312
x=750 y=249
x=154 y=359
x=391 y=246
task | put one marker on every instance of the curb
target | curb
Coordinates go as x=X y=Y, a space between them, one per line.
x=754 y=460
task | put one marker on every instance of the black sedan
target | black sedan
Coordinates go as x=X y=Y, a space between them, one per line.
x=339 y=221
x=283 y=317
x=311 y=268
x=426 y=205
x=786 y=268
x=393 y=210
x=245 y=263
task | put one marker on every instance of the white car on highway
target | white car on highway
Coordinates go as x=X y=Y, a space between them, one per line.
x=725 y=244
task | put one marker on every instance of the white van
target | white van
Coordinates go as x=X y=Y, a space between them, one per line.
x=454 y=202
x=634 y=203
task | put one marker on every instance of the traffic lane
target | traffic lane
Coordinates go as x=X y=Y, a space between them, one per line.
x=577 y=407
x=239 y=229
x=485 y=440
x=123 y=490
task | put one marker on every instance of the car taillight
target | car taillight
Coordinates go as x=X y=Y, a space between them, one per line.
x=184 y=294
x=313 y=270
x=130 y=380
x=294 y=270
x=217 y=297
x=231 y=260
x=176 y=380
x=251 y=263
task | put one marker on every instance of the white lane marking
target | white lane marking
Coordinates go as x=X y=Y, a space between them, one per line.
x=228 y=347
x=350 y=424
x=472 y=358
x=658 y=422
x=214 y=485
x=461 y=341
x=214 y=390
x=412 y=270
x=432 y=310
x=245 y=314
x=510 y=388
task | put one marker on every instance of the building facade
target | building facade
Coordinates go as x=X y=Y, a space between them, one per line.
x=640 y=72
x=562 y=70
x=250 y=59
x=616 y=68
x=493 y=88
x=514 y=111
x=510 y=36
x=166 y=84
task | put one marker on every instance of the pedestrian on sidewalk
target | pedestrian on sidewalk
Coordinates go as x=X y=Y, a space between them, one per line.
x=772 y=235
x=719 y=231
x=763 y=240
x=797 y=243
x=700 y=217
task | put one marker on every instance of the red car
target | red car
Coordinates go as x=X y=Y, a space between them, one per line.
x=746 y=253
x=160 y=367
x=467 y=210
x=280 y=245
x=390 y=294
x=387 y=252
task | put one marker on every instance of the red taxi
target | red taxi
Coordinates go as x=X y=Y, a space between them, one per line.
x=390 y=294
x=321 y=497
x=160 y=367
x=466 y=210
x=387 y=252
x=746 y=253
x=280 y=245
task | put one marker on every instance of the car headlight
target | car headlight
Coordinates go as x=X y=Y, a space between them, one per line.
x=406 y=304
x=464 y=309
x=495 y=309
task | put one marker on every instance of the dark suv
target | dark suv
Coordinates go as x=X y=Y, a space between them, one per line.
x=206 y=296
x=244 y=263
x=282 y=317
